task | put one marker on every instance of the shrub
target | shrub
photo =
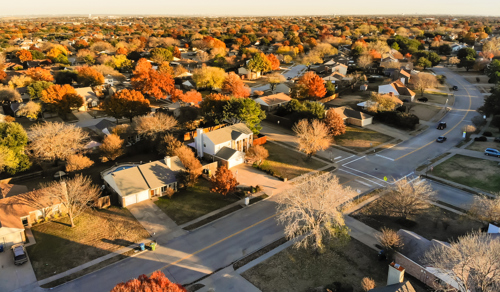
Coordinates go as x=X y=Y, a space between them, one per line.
x=481 y=139
x=398 y=119
x=488 y=134
x=423 y=99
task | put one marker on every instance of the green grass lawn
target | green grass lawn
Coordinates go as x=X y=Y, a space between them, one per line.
x=481 y=146
x=191 y=203
x=286 y=163
x=361 y=139
x=470 y=171
x=59 y=247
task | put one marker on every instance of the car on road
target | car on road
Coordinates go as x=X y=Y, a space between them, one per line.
x=492 y=152
x=423 y=99
x=497 y=139
x=455 y=88
x=441 y=126
x=441 y=139
x=19 y=254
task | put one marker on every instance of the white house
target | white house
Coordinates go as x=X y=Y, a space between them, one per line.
x=137 y=183
x=340 y=68
x=90 y=99
x=398 y=89
x=227 y=144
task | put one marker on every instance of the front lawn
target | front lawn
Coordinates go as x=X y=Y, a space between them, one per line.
x=287 y=163
x=424 y=111
x=301 y=270
x=481 y=146
x=59 y=247
x=191 y=203
x=361 y=139
x=470 y=171
x=433 y=223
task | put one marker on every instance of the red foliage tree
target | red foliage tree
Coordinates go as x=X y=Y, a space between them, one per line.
x=191 y=96
x=121 y=51
x=223 y=181
x=39 y=74
x=245 y=41
x=127 y=103
x=275 y=63
x=149 y=81
x=157 y=282
x=24 y=55
x=315 y=85
x=177 y=52
x=234 y=85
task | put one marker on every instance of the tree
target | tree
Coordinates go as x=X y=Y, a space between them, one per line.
x=334 y=123
x=168 y=145
x=495 y=122
x=453 y=61
x=192 y=97
x=330 y=88
x=24 y=55
x=20 y=81
x=404 y=198
x=367 y=284
x=389 y=239
x=467 y=63
x=39 y=74
x=312 y=136
x=315 y=85
x=66 y=77
x=9 y=95
x=311 y=211
x=56 y=141
x=422 y=81
x=257 y=154
x=245 y=110
x=275 y=63
x=486 y=209
x=468 y=129
x=77 y=162
x=212 y=108
x=384 y=102
x=209 y=77
x=88 y=76
x=223 y=181
x=126 y=103
x=259 y=63
x=30 y=110
x=274 y=79
x=160 y=55
x=365 y=61
x=61 y=98
x=76 y=195
x=149 y=81
x=13 y=141
x=491 y=102
x=424 y=62
x=471 y=262
x=157 y=282
x=233 y=85
x=444 y=49
x=192 y=164
x=35 y=89
x=153 y=126
x=493 y=71
x=112 y=147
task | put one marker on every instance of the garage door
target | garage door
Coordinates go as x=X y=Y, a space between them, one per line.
x=10 y=239
x=235 y=161
x=142 y=196
x=129 y=200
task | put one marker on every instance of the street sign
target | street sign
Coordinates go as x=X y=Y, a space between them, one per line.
x=385 y=178
x=464 y=135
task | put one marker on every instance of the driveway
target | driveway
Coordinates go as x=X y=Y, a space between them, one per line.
x=14 y=277
x=246 y=175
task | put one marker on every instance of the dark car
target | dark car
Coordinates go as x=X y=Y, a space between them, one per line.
x=455 y=88
x=441 y=139
x=441 y=126
x=497 y=139
x=423 y=99
x=19 y=254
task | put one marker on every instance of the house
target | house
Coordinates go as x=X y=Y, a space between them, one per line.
x=217 y=145
x=340 y=68
x=90 y=99
x=398 y=89
x=399 y=287
x=282 y=88
x=272 y=102
x=402 y=75
x=335 y=77
x=18 y=212
x=354 y=117
x=137 y=183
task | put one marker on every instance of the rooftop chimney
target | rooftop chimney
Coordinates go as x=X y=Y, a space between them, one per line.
x=168 y=161
x=396 y=274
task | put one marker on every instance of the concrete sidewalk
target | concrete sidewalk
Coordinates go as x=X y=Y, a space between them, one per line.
x=227 y=280
x=475 y=154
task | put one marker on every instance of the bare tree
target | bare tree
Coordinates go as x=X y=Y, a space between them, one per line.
x=257 y=154
x=39 y=200
x=367 y=284
x=468 y=129
x=274 y=79
x=55 y=141
x=153 y=126
x=365 y=60
x=168 y=145
x=312 y=137
x=422 y=81
x=407 y=198
x=311 y=210
x=30 y=110
x=202 y=56
x=389 y=239
x=9 y=95
x=112 y=147
x=77 y=162
x=471 y=262
x=486 y=208
x=453 y=61
x=76 y=195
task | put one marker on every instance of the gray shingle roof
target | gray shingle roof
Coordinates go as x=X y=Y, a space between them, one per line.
x=226 y=153
x=158 y=174
x=228 y=133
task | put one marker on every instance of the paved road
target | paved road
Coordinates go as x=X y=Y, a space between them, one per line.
x=452 y=196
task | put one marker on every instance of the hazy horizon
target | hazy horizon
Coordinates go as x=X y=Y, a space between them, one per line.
x=257 y=8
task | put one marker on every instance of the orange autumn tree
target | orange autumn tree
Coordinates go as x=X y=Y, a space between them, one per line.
x=234 y=86
x=88 y=76
x=191 y=96
x=151 y=82
x=315 y=85
x=223 y=181
x=24 y=55
x=39 y=74
x=61 y=98
x=157 y=282
x=121 y=51
x=275 y=63
x=335 y=123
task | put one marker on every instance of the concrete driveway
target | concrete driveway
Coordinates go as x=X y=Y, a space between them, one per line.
x=14 y=277
x=246 y=175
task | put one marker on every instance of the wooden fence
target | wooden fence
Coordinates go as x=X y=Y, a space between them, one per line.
x=188 y=136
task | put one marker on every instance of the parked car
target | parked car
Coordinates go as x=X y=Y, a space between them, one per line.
x=455 y=88
x=423 y=99
x=441 y=126
x=481 y=139
x=497 y=139
x=492 y=152
x=19 y=254
x=441 y=139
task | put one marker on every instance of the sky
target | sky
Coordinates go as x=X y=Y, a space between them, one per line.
x=253 y=7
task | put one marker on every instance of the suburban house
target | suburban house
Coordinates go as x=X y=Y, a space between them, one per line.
x=339 y=68
x=227 y=145
x=90 y=99
x=353 y=117
x=398 y=89
x=136 y=183
x=282 y=88
x=402 y=75
x=334 y=77
x=272 y=102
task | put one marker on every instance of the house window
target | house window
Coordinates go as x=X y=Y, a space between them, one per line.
x=164 y=189
x=204 y=145
x=25 y=221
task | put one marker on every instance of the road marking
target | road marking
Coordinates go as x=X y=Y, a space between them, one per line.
x=337 y=157
x=463 y=118
x=353 y=160
x=215 y=243
x=345 y=158
x=363 y=183
x=361 y=177
x=384 y=157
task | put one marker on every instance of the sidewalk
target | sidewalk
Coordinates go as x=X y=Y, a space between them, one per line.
x=475 y=154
